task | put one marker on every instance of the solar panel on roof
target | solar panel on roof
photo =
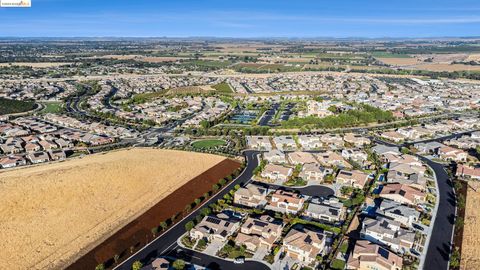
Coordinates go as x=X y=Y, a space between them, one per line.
x=383 y=252
x=213 y=220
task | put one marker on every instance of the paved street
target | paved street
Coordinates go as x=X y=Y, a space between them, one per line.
x=438 y=253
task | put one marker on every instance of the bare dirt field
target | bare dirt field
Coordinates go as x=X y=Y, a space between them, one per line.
x=471 y=229
x=55 y=213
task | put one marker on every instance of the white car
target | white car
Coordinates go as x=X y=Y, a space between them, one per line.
x=239 y=260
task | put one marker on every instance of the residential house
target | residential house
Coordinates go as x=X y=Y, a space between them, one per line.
x=276 y=172
x=381 y=150
x=57 y=154
x=259 y=142
x=12 y=161
x=332 y=159
x=309 y=142
x=285 y=143
x=301 y=158
x=367 y=256
x=303 y=245
x=356 y=139
x=403 y=194
x=468 y=172
x=215 y=228
x=388 y=232
x=260 y=232
x=393 y=136
x=314 y=172
x=356 y=179
x=452 y=154
x=399 y=212
x=285 y=202
x=275 y=156
x=428 y=147
x=37 y=157
x=252 y=196
x=331 y=210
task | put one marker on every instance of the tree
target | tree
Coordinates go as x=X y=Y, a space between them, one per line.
x=179 y=264
x=137 y=265
x=189 y=225
x=154 y=231
x=164 y=225
x=188 y=207
x=455 y=258
x=100 y=267
x=197 y=201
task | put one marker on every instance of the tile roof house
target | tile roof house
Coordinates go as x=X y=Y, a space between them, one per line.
x=260 y=232
x=37 y=157
x=275 y=156
x=428 y=147
x=259 y=142
x=367 y=255
x=218 y=228
x=57 y=154
x=356 y=139
x=331 y=211
x=309 y=142
x=12 y=161
x=285 y=143
x=407 y=174
x=387 y=232
x=298 y=157
x=303 y=245
x=399 y=212
x=285 y=202
x=381 y=150
x=468 y=172
x=354 y=178
x=393 y=136
x=276 y=172
x=314 y=172
x=403 y=194
x=452 y=154
x=332 y=159
x=252 y=196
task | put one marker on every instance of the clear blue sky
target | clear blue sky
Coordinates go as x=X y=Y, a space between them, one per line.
x=243 y=18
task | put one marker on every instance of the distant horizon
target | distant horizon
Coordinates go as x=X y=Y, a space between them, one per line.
x=319 y=38
x=373 y=19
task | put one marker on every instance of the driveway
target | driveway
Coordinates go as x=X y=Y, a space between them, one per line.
x=213 y=247
x=260 y=253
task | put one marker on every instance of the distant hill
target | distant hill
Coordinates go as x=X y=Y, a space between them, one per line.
x=8 y=106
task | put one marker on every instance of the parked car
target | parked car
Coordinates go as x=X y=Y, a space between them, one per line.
x=239 y=260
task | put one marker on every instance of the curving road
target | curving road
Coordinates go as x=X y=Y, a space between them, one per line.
x=166 y=244
x=439 y=248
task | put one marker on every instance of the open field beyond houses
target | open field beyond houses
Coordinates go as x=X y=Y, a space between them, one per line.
x=471 y=233
x=52 y=213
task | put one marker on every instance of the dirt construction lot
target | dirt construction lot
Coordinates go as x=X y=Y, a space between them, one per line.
x=53 y=214
x=471 y=230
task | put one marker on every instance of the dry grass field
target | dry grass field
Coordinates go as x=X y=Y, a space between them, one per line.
x=53 y=214
x=447 y=67
x=399 y=61
x=471 y=230
x=35 y=65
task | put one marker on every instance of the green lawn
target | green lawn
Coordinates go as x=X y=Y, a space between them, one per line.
x=55 y=107
x=202 y=144
x=8 y=106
